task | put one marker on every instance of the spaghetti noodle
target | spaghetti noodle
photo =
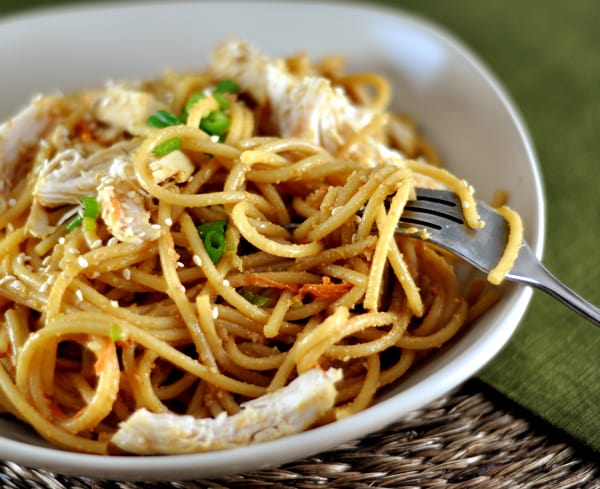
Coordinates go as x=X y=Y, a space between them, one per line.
x=147 y=260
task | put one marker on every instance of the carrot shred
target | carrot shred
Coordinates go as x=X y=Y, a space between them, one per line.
x=326 y=290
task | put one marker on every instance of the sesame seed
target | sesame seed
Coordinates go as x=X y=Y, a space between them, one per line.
x=215 y=312
x=61 y=240
x=180 y=264
x=226 y=283
x=10 y=227
x=83 y=263
x=214 y=138
x=12 y=202
x=73 y=250
x=114 y=303
x=197 y=260
x=96 y=244
x=126 y=274
x=19 y=286
x=155 y=226
x=79 y=294
x=169 y=221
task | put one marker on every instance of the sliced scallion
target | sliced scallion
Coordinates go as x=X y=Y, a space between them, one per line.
x=213 y=236
x=163 y=118
x=74 y=223
x=167 y=146
x=216 y=123
x=191 y=101
x=256 y=299
x=91 y=207
x=223 y=102
x=227 y=86
x=116 y=332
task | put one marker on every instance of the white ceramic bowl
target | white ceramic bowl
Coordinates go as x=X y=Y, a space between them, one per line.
x=459 y=104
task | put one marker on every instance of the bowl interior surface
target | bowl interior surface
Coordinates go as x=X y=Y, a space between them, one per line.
x=455 y=100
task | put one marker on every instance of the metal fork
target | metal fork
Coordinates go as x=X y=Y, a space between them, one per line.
x=440 y=213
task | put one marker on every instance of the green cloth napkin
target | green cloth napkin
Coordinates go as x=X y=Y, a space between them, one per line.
x=547 y=54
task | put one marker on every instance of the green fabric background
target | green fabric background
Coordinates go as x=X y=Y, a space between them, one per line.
x=547 y=54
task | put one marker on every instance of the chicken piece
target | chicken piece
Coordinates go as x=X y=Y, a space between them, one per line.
x=69 y=176
x=246 y=65
x=124 y=212
x=107 y=174
x=20 y=133
x=125 y=108
x=288 y=410
x=309 y=107
x=175 y=165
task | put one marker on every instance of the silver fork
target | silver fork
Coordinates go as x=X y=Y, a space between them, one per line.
x=440 y=213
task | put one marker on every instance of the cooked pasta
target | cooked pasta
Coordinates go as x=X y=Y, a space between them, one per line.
x=187 y=244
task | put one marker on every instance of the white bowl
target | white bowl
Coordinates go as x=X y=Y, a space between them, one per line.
x=461 y=107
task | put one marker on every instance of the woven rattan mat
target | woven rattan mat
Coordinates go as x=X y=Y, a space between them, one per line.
x=470 y=438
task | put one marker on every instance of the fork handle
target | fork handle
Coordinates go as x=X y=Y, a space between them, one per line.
x=537 y=275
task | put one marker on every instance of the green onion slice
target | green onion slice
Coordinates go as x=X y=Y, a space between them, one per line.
x=213 y=236
x=223 y=102
x=256 y=299
x=163 y=118
x=91 y=207
x=167 y=146
x=116 y=332
x=74 y=223
x=216 y=123
x=191 y=101
x=227 y=86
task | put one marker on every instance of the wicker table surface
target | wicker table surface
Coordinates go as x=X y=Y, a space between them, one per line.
x=470 y=438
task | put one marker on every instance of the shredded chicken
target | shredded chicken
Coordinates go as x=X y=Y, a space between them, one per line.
x=309 y=108
x=19 y=134
x=107 y=174
x=125 y=108
x=288 y=410
x=175 y=165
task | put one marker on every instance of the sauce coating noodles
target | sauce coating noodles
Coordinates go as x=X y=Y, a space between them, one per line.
x=115 y=298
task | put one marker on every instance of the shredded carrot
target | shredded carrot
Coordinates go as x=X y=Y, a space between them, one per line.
x=83 y=130
x=253 y=280
x=326 y=290
x=104 y=357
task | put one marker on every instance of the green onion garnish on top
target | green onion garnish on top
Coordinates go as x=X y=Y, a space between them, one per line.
x=191 y=101
x=87 y=216
x=216 y=123
x=163 y=118
x=256 y=299
x=91 y=207
x=213 y=236
x=224 y=104
x=167 y=146
x=227 y=86
x=116 y=332
x=74 y=223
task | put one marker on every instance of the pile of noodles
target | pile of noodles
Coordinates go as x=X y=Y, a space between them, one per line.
x=311 y=272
